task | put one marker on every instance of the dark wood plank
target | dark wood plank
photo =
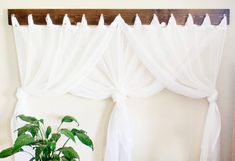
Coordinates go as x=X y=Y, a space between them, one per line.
x=93 y=15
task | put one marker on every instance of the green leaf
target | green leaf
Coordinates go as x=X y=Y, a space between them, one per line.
x=69 y=119
x=52 y=145
x=68 y=133
x=74 y=131
x=38 y=152
x=85 y=139
x=56 y=157
x=46 y=152
x=55 y=137
x=34 y=131
x=32 y=159
x=69 y=153
x=64 y=159
x=40 y=143
x=82 y=131
x=29 y=119
x=7 y=152
x=23 y=140
x=48 y=131
x=41 y=120
x=28 y=128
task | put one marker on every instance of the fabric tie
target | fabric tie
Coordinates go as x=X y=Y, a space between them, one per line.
x=118 y=96
x=21 y=94
x=22 y=98
x=213 y=97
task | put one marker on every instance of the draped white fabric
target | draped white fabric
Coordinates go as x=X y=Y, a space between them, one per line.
x=121 y=61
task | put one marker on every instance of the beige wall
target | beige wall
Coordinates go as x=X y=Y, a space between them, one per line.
x=168 y=127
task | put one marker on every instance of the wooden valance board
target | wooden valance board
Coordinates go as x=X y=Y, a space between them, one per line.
x=93 y=15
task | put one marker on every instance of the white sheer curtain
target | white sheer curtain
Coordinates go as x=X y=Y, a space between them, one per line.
x=48 y=63
x=186 y=60
x=118 y=75
x=54 y=59
x=122 y=61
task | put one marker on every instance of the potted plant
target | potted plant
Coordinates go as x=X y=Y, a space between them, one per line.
x=44 y=141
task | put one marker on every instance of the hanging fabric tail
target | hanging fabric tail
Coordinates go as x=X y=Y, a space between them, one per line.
x=21 y=104
x=22 y=99
x=119 y=142
x=210 y=149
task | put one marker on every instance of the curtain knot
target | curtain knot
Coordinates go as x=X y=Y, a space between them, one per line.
x=118 y=96
x=213 y=97
x=21 y=94
x=21 y=104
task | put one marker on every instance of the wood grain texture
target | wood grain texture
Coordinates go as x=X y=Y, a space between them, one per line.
x=93 y=15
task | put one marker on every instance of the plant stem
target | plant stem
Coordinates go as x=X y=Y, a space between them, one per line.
x=64 y=145
x=59 y=127
x=66 y=142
